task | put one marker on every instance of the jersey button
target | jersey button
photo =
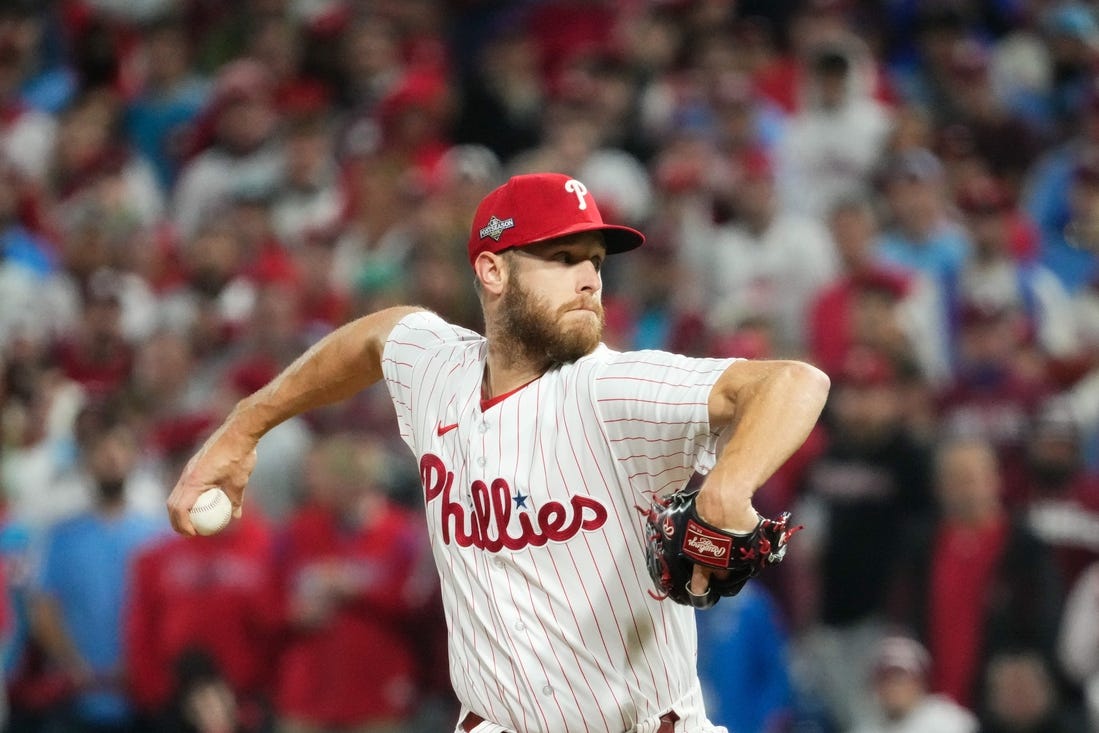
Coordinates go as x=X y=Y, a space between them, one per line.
x=482 y=461
x=483 y=427
x=519 y=626
x=547 y=690
x=498 y=563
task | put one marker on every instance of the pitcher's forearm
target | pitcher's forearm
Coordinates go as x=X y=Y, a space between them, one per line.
x=343 y=363
x=771 y=418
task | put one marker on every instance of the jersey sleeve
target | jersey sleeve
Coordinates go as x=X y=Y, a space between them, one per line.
x=654 y=407
x=418 y=340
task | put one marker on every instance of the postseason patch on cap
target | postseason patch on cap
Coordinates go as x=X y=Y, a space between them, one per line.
x=495 y=228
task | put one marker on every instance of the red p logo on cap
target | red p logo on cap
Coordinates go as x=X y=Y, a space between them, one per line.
x=539 y=206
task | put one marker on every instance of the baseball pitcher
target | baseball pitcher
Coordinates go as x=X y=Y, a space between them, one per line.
x=571 y=562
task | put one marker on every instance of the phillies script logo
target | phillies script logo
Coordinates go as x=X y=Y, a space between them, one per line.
x=490 y=517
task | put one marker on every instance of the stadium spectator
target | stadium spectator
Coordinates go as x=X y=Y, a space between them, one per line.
x=1080 y=233
x=742 y=119
x=215 y=598
x=166 y=384
x=1005 y=140
x=1021 y=72
x=351 y=595
x=974 y=581
x=275 y=40
x=658 y=312
x=1060 y=494
x=504 y=95
x=73 y=488
x=414 y=119
x=311 y=198
x=898 y=681
x=169 y=98
x=1001 y=382
x=995 y=277
x=95 y=354
x=1068 y=31
x=93 y=161
x=28 y=131
x=1021 y=696
x=77 y=607
x=758 y=694
x=372 y=64
x=920 y=57
x=39 y=409
x=1060 y=196
x=766 y=263
x=27 y=262
x=868 y=482
x=836 y=139
x=202 y=701
x=325 y=302
x=1078 y=644
x=871 y=304
x=806 y=28
x=919 y=232
x=237 y=139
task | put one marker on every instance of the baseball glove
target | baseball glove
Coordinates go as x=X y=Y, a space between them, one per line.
x=677 y=540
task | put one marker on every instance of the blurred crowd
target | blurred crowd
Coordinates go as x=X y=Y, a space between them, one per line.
x=904 y=193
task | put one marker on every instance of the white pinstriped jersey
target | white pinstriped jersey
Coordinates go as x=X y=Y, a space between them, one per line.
x=531 y=508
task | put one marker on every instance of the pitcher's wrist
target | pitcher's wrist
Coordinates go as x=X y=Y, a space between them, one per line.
x=730 y=513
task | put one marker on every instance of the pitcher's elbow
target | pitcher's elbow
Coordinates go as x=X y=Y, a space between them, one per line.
x=811 y=381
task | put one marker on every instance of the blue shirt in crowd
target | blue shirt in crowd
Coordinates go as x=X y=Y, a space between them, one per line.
x=743 y=662
x=85 y=568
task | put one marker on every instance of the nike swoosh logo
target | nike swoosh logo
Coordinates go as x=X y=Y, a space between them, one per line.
x=444 y=429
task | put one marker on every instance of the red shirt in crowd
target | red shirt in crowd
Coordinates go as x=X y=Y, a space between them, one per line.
x=215 y=594
x=353 y=596
x=831 y=324
x=962 y=571
x=101 y=367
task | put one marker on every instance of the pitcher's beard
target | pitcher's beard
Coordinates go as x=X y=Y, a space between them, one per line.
x=530 y=330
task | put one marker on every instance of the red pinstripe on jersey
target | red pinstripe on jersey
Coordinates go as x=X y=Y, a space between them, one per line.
x=530 y=508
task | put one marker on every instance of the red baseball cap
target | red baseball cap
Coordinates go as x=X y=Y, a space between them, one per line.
x=535 y=207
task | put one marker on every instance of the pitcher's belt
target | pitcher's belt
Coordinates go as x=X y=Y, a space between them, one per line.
x=667 y=722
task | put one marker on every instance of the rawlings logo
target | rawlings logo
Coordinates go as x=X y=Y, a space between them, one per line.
x=488 y=526
x=495 y=228
x=705 y=546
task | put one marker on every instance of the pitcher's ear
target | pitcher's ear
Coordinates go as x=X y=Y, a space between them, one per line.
x=492 y=272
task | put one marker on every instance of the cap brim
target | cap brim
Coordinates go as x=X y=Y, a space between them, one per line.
x=621 y=239
x=616 y=237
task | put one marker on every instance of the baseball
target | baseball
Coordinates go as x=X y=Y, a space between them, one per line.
x=211 y=512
